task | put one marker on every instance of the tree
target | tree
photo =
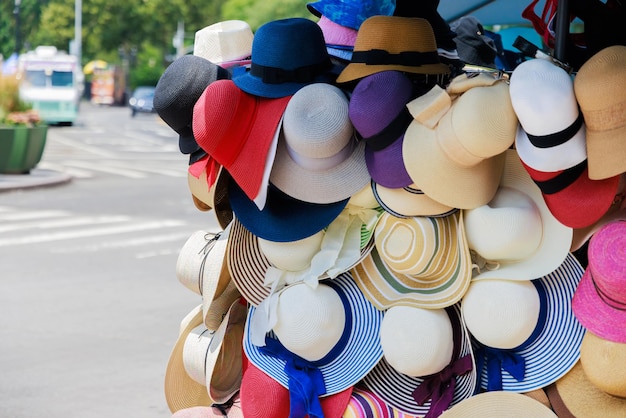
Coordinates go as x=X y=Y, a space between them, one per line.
x=258 y=12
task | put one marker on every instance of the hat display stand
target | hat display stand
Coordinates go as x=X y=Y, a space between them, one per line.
x=308 y=291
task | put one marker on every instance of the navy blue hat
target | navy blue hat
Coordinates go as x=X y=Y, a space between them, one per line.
x=287 y=54
x=284 y=218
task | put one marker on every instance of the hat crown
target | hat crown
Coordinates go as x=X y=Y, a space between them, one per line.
x=351 y=13
x=224 y=41
x=292 y=255
x=417 y=342
x=604 y=363
x=607 y=262
x=396 y=34
x=600 y=83
x=316 y=122
x=501 y=313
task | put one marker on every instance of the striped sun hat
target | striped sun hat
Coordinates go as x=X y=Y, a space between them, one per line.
x=552 y=349
x=356 y=353
x=365 y=404
x=394 y=274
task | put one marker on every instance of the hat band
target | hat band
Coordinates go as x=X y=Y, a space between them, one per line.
x=275 y=75
x=391 y=132
x=615 y=304
x=563 y=180
x=557 y=138
x=325 y=163
x=405 y=58
x=605 y=119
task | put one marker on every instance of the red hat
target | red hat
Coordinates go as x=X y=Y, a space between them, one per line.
x=572 y=197
x=262 y=396
x=239 y=130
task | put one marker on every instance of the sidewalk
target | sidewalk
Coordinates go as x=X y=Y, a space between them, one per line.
x=36 y=178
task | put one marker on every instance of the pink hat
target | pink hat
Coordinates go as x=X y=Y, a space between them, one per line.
x=599 y=302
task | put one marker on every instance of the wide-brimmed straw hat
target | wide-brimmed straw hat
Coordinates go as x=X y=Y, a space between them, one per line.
x=604 y=363
x=239 y=131
x=378 y=112
x=453 y=152
x=179 y=87
x=409 y=201
x=351 y=13
x=600 y=88
x=208 y=183
x=393 y=43
x=550 y=351
x=552 y=132
x=515 y=236
x=264 y=397
x=287 y=54
x=573 y=395
x=318 y=158
x=599 y=302
x=356 y=353
x=256 y=276
x=499 y=404
x=433 y=255
x=205 y=367
x=225 y=42
x=423 y=395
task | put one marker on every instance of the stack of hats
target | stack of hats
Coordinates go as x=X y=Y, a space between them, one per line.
x=395 y=239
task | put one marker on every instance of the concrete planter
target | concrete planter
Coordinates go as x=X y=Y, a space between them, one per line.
x=21 y=148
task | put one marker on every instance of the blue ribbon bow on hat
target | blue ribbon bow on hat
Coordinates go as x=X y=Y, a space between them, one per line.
x=306 y=382
x=497 y=360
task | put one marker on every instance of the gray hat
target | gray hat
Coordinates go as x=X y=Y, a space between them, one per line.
x=473 y=46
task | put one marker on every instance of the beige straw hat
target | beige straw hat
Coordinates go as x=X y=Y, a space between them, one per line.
x=604 y=363
x=210 y=196
x=499 y=404
x=222 y=42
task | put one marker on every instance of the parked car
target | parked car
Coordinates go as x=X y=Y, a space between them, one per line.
x=142 y=100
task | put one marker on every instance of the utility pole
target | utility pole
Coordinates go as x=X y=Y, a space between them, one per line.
x=16 y=12
x=78 y=30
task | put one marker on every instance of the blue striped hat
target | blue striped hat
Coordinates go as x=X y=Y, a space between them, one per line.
x=356 y=353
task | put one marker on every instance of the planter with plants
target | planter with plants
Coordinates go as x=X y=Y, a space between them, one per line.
x=22 y=133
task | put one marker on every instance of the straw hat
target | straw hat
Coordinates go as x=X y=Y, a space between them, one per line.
x=378 y=112
x=600 y=87
x=208 y=183
x=457 y=159
x=551 y=136
x=339 y=39
x=393 y=43
x=604 y=363
x=318 y=159
x=409 y=244
x=351 y=13
x=553 y=347
x=515 y=232
x=263 y=397
x=573 y=395
x=287 y=54
x=409 y=201
x=224 y=42
x=356 y=353
x=499 y=404
x=177 y=91
x=240 y=131
x=429 y=394
x=257 y=276
x=366 y=404
x=599 y=302
x=205 y=367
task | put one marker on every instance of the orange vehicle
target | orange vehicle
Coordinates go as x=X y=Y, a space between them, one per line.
x=108 y=86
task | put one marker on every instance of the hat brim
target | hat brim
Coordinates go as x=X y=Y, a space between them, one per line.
x=581 y=203
x=361 y=353
x=595 y=314
x=256 y=86
x=409 y=201
x=442 y=179
x=321 y=187
x=554 y=346
x=214 y=197
x=386 y=288
x=248 y=264
x=606 y=153
x=499 y=404
x=557 y=158
x=386 y=166
x=355 y=71
x=283 y=218
x=396 y=389
x=556 y=238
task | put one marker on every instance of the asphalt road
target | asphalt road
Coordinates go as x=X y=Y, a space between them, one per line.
x=90 y=305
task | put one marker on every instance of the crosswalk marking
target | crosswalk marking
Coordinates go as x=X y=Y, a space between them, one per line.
x=63 y=223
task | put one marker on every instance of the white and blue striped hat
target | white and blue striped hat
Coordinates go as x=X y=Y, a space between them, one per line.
x=552 y=349
x=356 y=353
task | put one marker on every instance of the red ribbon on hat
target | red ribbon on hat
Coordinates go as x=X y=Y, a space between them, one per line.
x=439 y=387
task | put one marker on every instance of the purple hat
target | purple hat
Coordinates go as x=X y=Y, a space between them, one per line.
x=378 y=112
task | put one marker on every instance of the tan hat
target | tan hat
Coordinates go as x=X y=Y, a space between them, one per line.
x=222 y=42
x=458 y=159
x=208 y=183
x=604 y=363
x=404 y=202
x=600 y=88
x=393 y=43
x=573 y=395
x=499 y=404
